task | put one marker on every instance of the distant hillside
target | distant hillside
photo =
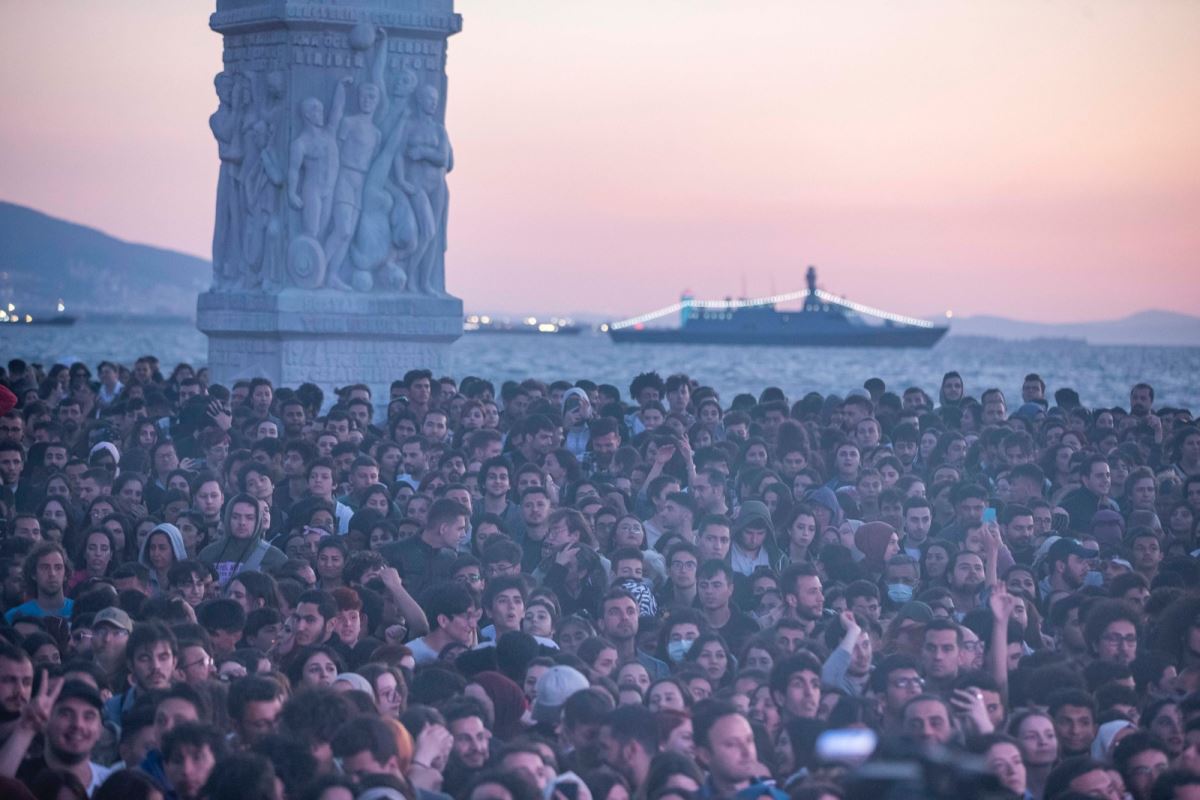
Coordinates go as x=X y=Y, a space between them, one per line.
x=43 y=259
x=1143 y=328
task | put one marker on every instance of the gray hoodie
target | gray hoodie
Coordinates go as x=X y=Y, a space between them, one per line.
x=231 y=555
x=176 y=538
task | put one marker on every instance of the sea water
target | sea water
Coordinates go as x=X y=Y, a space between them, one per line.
x=1101 y=374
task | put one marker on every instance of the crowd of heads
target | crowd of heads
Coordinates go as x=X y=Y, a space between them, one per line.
x=574 y=591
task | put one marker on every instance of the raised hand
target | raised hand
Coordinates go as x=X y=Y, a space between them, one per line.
x=218 y=414
x=991 y=538
x=972 y=711
x=567 y=555
x=432 y=747
x=36 y=712
x=1002 y=603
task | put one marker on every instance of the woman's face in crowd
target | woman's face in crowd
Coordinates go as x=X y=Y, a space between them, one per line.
x=713 y=660
x=158 y=551
x=1005 y=762
x=628 y=533
x=98 y=553
x=1038 y=740
x=56 y=514
x=1021 y=581
x=100 y=510
x=665 y=695
x=606 y=662
x=700 y=689
x=319 y=670
x=936 y=561
x=1181 y=521
x=763 y=709
x=757 y=658
x=380 y=537
x=378 y=501
x=538 y=621
x=633 y=674
x=680 y=739
x=571 y=636
x=1167 y=725
x=756 y=456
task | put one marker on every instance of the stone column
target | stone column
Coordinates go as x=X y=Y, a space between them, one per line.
x=332 y=199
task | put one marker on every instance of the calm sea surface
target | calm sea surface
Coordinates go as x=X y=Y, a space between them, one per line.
x=1101 y=375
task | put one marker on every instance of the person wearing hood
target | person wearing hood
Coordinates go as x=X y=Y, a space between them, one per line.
x=827 y=508
x=241 y=547
x=576 y=412
x=878 y=542
x=753 y=540
x=160 y=550
x=1108 y=736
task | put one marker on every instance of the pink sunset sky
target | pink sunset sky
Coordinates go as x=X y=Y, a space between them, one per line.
x=1037 y=159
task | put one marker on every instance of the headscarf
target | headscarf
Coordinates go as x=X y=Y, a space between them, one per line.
x=872 y=540
x=112 y=450
x=1102 y=744
x=357 y=682
x=509 y=701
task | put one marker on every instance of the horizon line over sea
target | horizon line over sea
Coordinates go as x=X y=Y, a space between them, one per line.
x=1102 y=374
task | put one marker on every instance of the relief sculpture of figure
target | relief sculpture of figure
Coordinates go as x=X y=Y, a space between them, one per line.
x=262 y=178
x=376 y=263
x=428 y=158
x=225 y=127
x=312 y=172
x=358 y=142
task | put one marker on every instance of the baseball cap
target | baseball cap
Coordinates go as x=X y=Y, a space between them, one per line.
x=78 y=690
x=1066 y=546
x=113 y=616
x=554 y=687
x=916 y=611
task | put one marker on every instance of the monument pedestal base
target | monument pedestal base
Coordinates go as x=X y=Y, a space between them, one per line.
x=327 y=337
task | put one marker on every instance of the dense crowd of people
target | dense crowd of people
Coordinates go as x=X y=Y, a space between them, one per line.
x=563 y=591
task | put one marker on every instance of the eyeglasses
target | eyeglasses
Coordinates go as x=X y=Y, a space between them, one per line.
x=908 y=683
x=201 y=662
x=683 y=564
x=973 y=647
x=1116 y=638
x=81 y=636
x=471 y=578
x=104 y=633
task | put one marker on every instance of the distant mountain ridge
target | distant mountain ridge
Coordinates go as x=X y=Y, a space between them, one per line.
x=43 y=258
x=1153 y=327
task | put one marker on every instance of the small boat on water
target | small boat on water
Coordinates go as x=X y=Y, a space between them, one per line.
x=529 y=325
x=823 y=320
x=11 y=315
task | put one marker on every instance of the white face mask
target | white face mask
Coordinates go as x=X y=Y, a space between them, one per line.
x=677 y=650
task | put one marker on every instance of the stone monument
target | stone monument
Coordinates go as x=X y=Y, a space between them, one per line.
x=330 y=236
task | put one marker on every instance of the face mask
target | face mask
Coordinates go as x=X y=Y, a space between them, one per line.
x=900 y=592
x=1093 y=578
x=677 y=650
